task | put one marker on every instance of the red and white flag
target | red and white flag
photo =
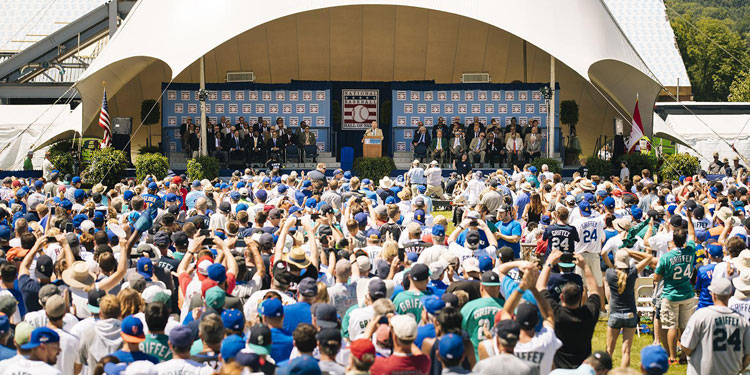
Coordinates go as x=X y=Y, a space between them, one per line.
x=104 y=122
x=636 y=131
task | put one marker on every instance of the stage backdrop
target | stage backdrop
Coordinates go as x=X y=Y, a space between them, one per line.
x=294 y=102
x=414 y=102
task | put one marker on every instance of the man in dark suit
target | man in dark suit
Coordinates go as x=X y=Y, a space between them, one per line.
x=421 y=142
x=255 y=148
x=217 y=146
x=441 y=125
x=234 y=145
x=274 y=146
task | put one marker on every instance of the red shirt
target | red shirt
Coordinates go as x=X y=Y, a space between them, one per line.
x=401 y=364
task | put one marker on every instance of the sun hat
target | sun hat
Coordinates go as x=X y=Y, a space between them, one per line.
x=78 y=275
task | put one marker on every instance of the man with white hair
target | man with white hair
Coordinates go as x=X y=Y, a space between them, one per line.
x=415 y=176
x=546 y=175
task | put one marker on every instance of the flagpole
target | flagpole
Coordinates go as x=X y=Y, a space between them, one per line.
x=204 y=140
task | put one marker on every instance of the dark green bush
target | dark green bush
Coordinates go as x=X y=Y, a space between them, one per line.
x=637 y=162
x=106 y=167
x=676 y=165
x=553 y=164
x=599 y=167
x=155 y=165
x=145 y=149
x=203 y=167
x=373 y=168
x=61 y=157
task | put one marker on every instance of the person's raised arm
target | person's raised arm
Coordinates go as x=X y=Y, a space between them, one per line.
x=643 y=259
x=457 y=230
x=122 y=265
x=527 y=282
x=278 y=252
x=552 y=259
x=725 y=231
x=488 y=233
x=504 y=268
x=691 y=227
x=588 y=276
x=195 y=246
x=231 y=263
x=23 y=269
x=312 y=240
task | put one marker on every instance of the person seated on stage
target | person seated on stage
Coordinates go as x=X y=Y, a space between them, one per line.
x=280 y=125
x=495 y=149
x=476 y=129
x=458 y=143
x=289 y=138
x=491 y=127
x=421 y=140
x=234 y=145
x=307 y=138
x=274 y=146
x=456 y=125
x=194 y=141
x=441 y=125
x=514 y=146
x=439 y=147
x=478 y=147
x=533 y=143
x=217 y=146
x=255 y=147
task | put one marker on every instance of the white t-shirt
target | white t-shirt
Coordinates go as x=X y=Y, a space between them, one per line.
x=80 y=300
x=358 y=320
x=591 y=232
x=68 y=356
x=540 y=350
x=250 y=308
x=615 y=243
x=23 y=366
x=431 y=254
x=461 y=252
x=720 y=271
x=660 y=242
x=39 y=319
x=179 y=366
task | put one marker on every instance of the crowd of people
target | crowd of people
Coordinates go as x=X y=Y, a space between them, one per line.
x=323 y=272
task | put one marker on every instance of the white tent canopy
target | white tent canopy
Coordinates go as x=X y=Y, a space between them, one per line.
x=582 y=34
x=696 y=131
x=46 y=123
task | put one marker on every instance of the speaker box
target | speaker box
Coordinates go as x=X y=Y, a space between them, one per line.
x=121 y=125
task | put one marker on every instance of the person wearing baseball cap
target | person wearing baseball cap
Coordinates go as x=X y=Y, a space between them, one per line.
x=5 y=333
x=181 y=338
x=451 y=353
x=654 y=360
x=403 y=333
x=506 y=334
x=299 y=312
x=132 y=334
x=43 y=347
x=55 y=309
x=705 y=274
x=409 y=301
x=279 y=343
x=483 y=308
x=329 y=344
x=362 y=356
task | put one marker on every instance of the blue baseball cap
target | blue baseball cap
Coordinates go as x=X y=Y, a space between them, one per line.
x=601 y=193
x=131 y=330
x=310 y=202
x=609 y=202
x=585 y=208
x=171 y=197
x=306 y=183
x=348 y=174
x=224 y=186
x=302 y=365
x=98 y=217
x=78 y=219
x=276 y=180
x=366 y=181
x=231 y=346
x=545 y=220
x=217 y=272
x=716 y=251
x=438 y=230
x=294 y=209
x=235 y=195
x=654 y=359
x=39 y=336
x=451 y=346
x=66 y=204
x=112 y=368
x=266 y=180
x=196 y=183
x=4 y=324
x=272 y=307
x=79 y=194
x=261 y=195
x=75 y=180
x=282 y=189
x=432 y=303
x=485 y=263
x=38 y=184
x=419 y=216
x=233 y=319
x=152 y=186
x=128 y=195
x=589 y=197
x=240 y=184
x=145 y=268
x=636 y=212
x=5 y=232
x=421 y=188
x=361 y=218
x=241 y=207
x=181 y=336
x=390 y=200
x=532 y=169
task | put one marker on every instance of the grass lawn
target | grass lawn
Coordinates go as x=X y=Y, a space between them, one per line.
x=599 y=341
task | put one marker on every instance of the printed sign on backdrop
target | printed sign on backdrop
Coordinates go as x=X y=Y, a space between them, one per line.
x=360 y=108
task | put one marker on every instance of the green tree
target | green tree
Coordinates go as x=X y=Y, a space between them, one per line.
x=739 y=91
x=706 y=53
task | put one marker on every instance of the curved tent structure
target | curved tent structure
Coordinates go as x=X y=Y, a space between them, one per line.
x=165 y=36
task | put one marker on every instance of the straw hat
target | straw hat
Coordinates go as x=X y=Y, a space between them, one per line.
x=386 y=182
x=98 y=188
x=742 y=261
x=78 y=275
x=586 y=185
x=297 y=257
x=724 y=214
x=622 y=225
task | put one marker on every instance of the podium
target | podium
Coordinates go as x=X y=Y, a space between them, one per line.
x=372 y=147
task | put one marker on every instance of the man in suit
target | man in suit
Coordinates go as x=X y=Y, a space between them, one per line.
x=421 y=139
x=256 y=147
x=234 y=145
x=274 y=146
x=477 y=147
x=476 y=129
x=441 y=125
x=217 y=145
x=458 y=143
x=439 y=147
x=495 y=149
x=307 y=138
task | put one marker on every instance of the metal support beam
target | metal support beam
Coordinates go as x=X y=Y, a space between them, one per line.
x=551 y=122
x=36 y=90
x=112 y=17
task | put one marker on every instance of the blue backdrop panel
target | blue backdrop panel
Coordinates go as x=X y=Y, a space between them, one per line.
x=294 y=102
x=414 y=102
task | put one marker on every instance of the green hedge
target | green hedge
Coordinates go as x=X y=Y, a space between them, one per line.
x=106 y=167
x=599 y=167
x=149 y=150
x=553 y=164
x=61 y=157
x=374 y=168
x=677 y=165
x=637 y=162
x=155 y=165
x=203 y=167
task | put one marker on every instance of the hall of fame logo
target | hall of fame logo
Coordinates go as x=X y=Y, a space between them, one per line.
x=476 y=108
x=172 y=95
x=320 y=95
x=179 y=108
x=523 y=95
x=239 y=95
x=482 y=95
x=260 y=108
x=300 y=108
x=421 y=108
x=307 y=95
x=313 y=108
x=280 y=95
x=461 y=108
x=226 y=95
x=415 y=121
x=192 y=108
x=219 y=108
x=233 y=108
x=286 y=108
x=510 y=95
x=448 y=108
x=468 y=96
x=408 y=134
x=252 y=95
x=400 y=95
x=489 y=108
x=273 y=108
x=320 y=121
x=294 y=121
x=435 y=108
x=442 y=96
x=185 y=95
x=542 y=108
x=293 y=96
x=401 y=120
x=536 y=95
x=400 y=146
x=496 y=95
x=172 y=120
x=408 y=108
x=529 y=108
x=415 y=95
x=502 y=108
x=516 y=108
x=266 y=95
x=428 y=95
x=428 y=121
x=455 y=96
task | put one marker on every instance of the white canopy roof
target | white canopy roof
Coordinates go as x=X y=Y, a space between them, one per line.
x=696 y=132
x=45 y=125
x=580 y=33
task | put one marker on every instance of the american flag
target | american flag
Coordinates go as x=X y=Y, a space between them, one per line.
x=104 y=122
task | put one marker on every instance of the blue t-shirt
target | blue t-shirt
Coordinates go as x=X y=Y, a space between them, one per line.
x=702 y=281
x=423 y=332
x=511 y=228
x=6 y=353
x=296 y=314
x=282 y=344
x=483 y=243
x=521 y=201
x=130 y=357
x=508 y=285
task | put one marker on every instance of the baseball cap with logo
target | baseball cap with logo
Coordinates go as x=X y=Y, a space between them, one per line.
x=131 y=330
x=490 y=278
x=508 y=331
x=272 y=308
x=41 y=336
x=260 y=339
x=233 y=319
x=44 y=266
x=654 y=360
x=419 y=272
x=215 y=297
x=145 y=268
x=451 y=346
